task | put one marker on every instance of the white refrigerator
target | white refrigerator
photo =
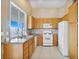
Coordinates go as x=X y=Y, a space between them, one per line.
x=63 y=38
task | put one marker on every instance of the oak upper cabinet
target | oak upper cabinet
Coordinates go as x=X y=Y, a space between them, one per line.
x=29 y=21
x=37 y=23
x=55 y=39
x=40 y=40
x=73 y=13
x=15 y=51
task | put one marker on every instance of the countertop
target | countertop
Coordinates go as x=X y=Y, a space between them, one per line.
x=18 y=41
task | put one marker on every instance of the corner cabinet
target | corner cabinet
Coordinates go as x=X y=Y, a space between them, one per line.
x=16 y=51
x=19 y=50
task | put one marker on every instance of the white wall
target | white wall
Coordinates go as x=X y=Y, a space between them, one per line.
x=4 y=17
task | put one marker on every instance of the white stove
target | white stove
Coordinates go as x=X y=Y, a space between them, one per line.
x=47 y=38
x=47 y=35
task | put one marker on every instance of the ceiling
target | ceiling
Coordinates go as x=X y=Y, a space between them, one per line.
x=49 y=3
x=55 y=8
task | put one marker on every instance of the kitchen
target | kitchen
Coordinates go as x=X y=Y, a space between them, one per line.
x=39 y=29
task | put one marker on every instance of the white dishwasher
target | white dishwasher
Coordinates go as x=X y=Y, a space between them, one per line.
x=47 y=38
x=35 y=39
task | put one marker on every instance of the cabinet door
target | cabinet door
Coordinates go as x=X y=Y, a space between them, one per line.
x=73 y=41
x=30 y=51
x=25 y=50
x=33 y=45
x=73 y=13
x=40 y=40
x=2 y=51
x=25 y=55
x=30 y=22
x=7 y=52
x=55 y=39
x=12 y=51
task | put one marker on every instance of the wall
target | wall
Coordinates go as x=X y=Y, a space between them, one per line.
x=73 y=31
x=38 y=22
x=4 y=17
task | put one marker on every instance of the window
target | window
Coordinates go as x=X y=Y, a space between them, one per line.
x=17 y=21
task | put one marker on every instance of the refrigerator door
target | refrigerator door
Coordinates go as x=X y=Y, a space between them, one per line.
x=63 y=38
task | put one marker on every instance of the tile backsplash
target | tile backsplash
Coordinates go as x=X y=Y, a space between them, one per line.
x=39 y=31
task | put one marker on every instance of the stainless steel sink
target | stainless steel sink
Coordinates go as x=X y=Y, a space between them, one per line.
x=20 y=39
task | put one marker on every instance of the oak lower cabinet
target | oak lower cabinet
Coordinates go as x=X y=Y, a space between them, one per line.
x=31 y=47
x=55 y=39
x=25 y=50
x=19 y=50
x=2 y=50
x=16 y=51
x=40 y=40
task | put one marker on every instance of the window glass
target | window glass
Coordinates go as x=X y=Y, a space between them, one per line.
x=17 y=21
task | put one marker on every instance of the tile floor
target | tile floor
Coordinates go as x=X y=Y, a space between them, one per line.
x=47 y=53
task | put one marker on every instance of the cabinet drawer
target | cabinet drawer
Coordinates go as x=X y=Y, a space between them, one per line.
x=30 y=41
x=40 y=40
x=26 y=57
x=30 y=51
x=25 y=44
x=26 y=52
x=33 y=41
x=25 y=48
x=55 y=39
